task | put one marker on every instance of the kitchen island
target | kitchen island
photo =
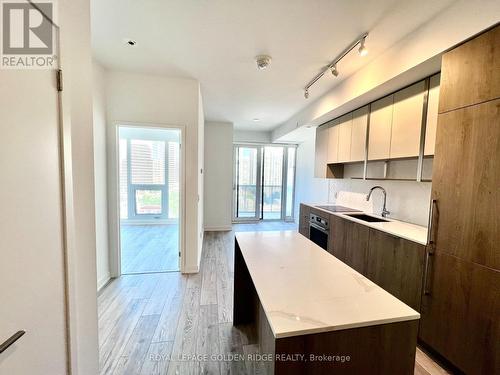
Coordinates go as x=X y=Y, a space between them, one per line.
x=316 y=315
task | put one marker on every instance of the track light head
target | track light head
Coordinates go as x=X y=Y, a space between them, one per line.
x=362 y=49
x=306 y=94
x=334 y=70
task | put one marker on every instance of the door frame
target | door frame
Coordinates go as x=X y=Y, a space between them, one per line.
x=114 y=195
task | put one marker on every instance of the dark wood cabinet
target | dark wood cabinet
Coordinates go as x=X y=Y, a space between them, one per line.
x=466 y=183
x=469 y=73
x=460 y=316
x=304 y=220
x=397 y=265
x=348 y=241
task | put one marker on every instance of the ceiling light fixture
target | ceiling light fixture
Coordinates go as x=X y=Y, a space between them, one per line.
x=333 y=65
x=263 y=61
x=334 y=70
x=256 y=119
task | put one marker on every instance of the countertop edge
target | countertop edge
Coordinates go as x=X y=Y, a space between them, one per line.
x=342 y=327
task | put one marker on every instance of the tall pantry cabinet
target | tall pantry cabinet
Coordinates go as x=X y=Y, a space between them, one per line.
x=460 y=317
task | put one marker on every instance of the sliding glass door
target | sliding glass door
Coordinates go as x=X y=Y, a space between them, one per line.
x=264 y=182
x=247 y=186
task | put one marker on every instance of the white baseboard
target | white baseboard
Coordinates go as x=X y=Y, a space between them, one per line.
x=103 y=281
x=222 y=228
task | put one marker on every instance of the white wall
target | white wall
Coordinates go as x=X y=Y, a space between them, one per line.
x=100 y=174
x=307 y=187
x=218 y=175
x=251 y=136
x=158 y=100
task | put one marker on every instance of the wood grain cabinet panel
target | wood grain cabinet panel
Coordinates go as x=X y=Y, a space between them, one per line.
x=321 y=151
x=304 y=220
x=348 y=242
x=358 y=134
x=344 y=141
x=470 y=72
x=397 y=265
x=333 y=142
x=432 y=115
x=460 y=316
x=466 y=183
x=407 y=121
x=379 y=140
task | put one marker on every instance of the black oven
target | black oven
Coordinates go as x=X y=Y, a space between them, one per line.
x=318 y=230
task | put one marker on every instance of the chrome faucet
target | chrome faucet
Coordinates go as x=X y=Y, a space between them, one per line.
x=385 y=213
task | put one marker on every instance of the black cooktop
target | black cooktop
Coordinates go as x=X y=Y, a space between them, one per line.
x=334 y=208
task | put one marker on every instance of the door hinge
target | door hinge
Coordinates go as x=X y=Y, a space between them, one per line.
x=59 y=80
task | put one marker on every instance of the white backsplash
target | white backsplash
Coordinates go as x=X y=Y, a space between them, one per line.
x=406 y=200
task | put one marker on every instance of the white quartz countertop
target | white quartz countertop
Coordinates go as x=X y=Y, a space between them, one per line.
x=412 y=232
x=304 y=289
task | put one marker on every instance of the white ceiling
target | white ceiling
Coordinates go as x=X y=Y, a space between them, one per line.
x=216 y=41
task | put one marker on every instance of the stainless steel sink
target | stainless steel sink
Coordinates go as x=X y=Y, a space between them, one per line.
x=368 y=218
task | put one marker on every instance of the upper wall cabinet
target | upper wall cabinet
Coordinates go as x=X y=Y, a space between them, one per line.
x=393 y=126
x=344 y=142
x=321 y=152
x=333 y=142
x=407 y=121
x=379 y=141
x=432 y=115
x=470 y=72
x=358 y=134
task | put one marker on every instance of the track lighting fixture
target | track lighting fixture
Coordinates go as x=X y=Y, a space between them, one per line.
x=334 y=70
x=362 y=49
x=333 y=65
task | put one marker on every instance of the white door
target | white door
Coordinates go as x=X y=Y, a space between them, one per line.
x=31 y=237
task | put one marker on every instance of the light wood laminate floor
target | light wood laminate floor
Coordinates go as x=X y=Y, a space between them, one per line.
x=148 y=322
x=149 y=248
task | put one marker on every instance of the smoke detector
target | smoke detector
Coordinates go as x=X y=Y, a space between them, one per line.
x=263 y=61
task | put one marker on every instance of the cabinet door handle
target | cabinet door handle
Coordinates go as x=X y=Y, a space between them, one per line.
x=426 y=288
x=430 y=237
x=11 y=340
x=429 y=249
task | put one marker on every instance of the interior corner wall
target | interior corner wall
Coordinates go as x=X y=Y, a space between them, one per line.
x=100 y=174
x=218 y=176
x=154 y=100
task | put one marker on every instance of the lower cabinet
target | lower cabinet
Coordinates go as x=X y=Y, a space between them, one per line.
x=393 y=263
x=348 y=242
x=304 y=220
x=460 y=313
x=397 y=265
